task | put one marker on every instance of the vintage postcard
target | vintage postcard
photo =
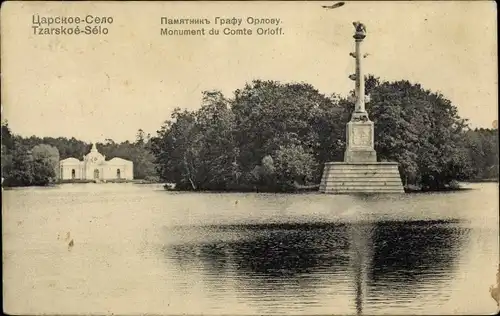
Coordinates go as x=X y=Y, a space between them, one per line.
x=249 y=158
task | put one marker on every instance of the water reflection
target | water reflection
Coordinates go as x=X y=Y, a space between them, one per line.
x=361 y=254
x=289 y=264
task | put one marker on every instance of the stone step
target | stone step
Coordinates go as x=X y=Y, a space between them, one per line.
x=369 y=183
x=363 y=184
x=355 y=177
x=348 y=177
x=366 y=183
x=363 y=191
x=358 y=170
x=361 y=167
x=361 y=172
x=355 y=171
x=358 y=183
x=356 y=180
x=343 y=178
x=361 y=187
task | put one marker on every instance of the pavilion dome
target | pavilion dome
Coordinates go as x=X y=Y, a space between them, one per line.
x=94 y=156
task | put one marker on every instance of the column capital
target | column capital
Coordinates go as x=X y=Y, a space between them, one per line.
x=360 y=31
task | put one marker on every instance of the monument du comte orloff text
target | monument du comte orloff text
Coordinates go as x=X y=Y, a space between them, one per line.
x=360 y=172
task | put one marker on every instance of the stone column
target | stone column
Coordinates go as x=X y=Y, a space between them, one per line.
x=360 y=78
x=360 y=130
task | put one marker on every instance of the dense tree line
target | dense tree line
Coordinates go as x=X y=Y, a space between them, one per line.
x=35 y=161
x=275 y=136
x=483 y=150
x=23 y=165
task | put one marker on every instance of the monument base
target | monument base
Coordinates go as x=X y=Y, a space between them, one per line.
x=360 y=140
x=350 y=178
x=360 y=155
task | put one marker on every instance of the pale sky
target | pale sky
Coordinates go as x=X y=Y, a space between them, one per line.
x=108 y=86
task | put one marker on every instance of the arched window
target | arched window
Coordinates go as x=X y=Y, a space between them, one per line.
x=73 y=174
x=118 y=174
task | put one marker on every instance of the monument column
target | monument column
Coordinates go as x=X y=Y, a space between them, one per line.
x=360 y=130
x=360 y=77
x=360 y=172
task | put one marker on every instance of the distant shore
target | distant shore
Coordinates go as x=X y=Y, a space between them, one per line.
x=292 y=190
x=458 y=186
x=135 y=181
x=58 y=182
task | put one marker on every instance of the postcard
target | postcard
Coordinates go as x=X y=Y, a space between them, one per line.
x=249 y=157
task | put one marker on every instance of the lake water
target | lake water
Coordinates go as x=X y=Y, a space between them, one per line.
x=139 y=249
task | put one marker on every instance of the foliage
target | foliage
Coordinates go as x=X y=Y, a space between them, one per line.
x=46 y=154
x=22 y=166
x=232 y=143
x=422 y=131
x=35 y=161
x=482 y=145
x=18 y=170
x=269 y=115
x=43 y=171
x=274 y=136
x=294 y=165
x=277 y=136
x=175 y=150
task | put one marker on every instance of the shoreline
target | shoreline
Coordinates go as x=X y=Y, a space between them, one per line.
x=310 y=189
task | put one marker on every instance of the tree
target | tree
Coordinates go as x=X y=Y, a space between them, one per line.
x=222 y=145
x=269 y=114
x=140 y=137
x=43 y=171
x=7 y=137
x=142 y=157
x=294 y=165
x=176 y=150
x=421 y=130
x=276 y=136
x=6 y=159
x=46 y=154
x=19 y=172
x=482 y=146
x=262 y=176
x=218 y=153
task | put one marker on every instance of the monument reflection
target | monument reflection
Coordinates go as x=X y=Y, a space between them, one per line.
x=369 y=261
x=361 y=255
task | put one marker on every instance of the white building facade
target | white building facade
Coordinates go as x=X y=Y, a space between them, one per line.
x=95 y=167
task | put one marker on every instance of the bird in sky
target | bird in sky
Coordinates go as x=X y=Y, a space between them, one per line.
x=333 y=6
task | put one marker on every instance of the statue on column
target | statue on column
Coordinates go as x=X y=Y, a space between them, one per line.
x=360 y=28
x=359 y=114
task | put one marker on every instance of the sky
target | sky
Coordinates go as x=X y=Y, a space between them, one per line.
x=94 y=87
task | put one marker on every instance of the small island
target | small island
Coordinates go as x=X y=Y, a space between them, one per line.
x=275 y=137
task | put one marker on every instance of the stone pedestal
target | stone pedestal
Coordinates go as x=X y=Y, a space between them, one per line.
x=360 y=172
x=360 y=142
x=356 y=178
